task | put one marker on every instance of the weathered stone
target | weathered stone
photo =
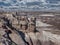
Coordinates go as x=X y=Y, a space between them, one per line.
x=32 y=38
x=22 y=36
x=17 y=39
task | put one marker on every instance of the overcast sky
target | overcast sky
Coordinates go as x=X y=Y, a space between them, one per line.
x=30 y=4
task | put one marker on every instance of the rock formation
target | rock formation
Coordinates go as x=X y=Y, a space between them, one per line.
x=21 y=30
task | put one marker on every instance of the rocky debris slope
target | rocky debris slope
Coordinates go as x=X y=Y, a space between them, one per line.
x=50 y=38
x=21 y=30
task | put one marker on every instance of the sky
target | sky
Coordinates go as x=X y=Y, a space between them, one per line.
x=30 y=5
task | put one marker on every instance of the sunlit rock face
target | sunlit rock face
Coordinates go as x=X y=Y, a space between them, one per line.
x=17 y=36
x=30 y=4
x=45 y=35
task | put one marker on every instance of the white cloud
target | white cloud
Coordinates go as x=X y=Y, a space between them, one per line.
x=19 y=2
x=30 y=0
